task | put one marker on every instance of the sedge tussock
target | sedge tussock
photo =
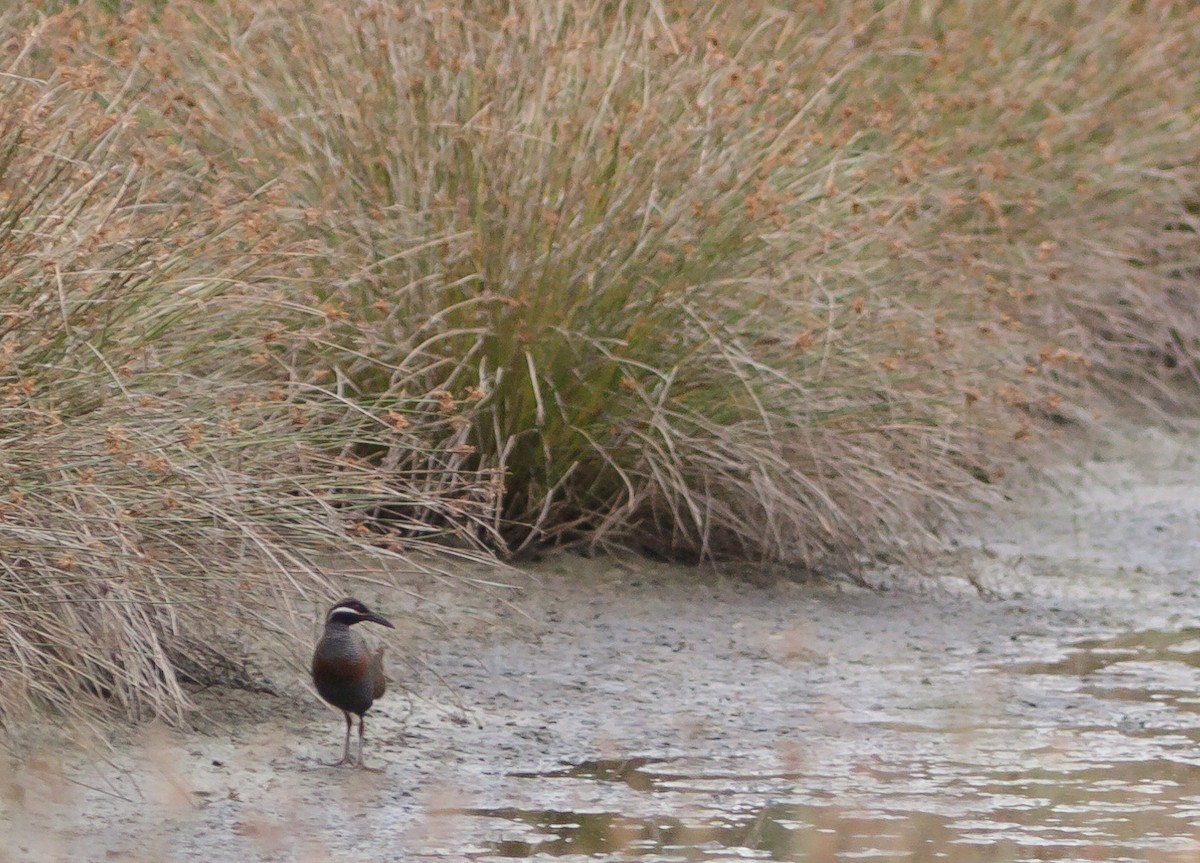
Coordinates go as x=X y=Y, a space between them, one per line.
x=164 y=488
x=746 y=281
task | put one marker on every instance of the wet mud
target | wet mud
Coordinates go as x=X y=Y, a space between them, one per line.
x=631 y=711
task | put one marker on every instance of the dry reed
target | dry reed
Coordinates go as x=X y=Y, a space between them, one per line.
x=740 y=282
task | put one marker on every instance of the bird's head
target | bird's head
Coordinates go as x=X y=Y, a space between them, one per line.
x=352 y=611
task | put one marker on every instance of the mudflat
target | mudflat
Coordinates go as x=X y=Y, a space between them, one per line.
x=1036 y=689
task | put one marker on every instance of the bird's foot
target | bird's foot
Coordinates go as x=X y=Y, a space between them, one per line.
x=362 y=766
x=346 y=761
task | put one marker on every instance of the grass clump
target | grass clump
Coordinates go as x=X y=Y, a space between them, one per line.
x=740 y=282
x=585 y=237
x=162 y=490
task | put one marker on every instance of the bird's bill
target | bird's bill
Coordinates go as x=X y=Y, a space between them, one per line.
x=380 y=619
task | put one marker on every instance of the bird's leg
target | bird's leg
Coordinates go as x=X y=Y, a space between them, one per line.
x=346 y=759
x=362 y=733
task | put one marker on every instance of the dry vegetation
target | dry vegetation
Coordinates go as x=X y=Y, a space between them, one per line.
x=743 y=282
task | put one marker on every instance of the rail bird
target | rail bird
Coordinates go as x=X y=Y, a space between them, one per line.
x=346 y=672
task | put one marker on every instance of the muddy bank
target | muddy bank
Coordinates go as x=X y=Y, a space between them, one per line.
x=634 y=711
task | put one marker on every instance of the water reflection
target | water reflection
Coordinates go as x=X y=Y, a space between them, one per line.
x=1115 y=812
x=626 y=770
x=777 y=832
x=1093 y=655
x=1109 y=770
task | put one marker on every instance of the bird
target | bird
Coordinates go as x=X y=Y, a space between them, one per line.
x=347 y=674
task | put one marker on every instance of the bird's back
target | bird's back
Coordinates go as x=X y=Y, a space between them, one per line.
x=378 y=678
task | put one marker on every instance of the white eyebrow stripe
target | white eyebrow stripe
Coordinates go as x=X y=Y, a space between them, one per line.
x=344 y=614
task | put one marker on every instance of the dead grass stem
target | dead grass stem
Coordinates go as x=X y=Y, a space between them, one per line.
x=746 y=281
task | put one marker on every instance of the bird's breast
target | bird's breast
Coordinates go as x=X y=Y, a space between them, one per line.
x=342 y=673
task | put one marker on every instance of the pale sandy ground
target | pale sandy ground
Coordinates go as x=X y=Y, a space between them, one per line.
x=923 y=700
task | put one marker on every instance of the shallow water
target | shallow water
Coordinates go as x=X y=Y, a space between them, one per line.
x=1115 y=775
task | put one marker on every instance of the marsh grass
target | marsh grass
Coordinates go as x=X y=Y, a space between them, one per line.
x=743 y=282
x=738 y=283
x=586 y=236
x=164 y=490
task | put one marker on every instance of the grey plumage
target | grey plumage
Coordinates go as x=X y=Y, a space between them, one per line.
x=341 y=649
x=346 y=672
